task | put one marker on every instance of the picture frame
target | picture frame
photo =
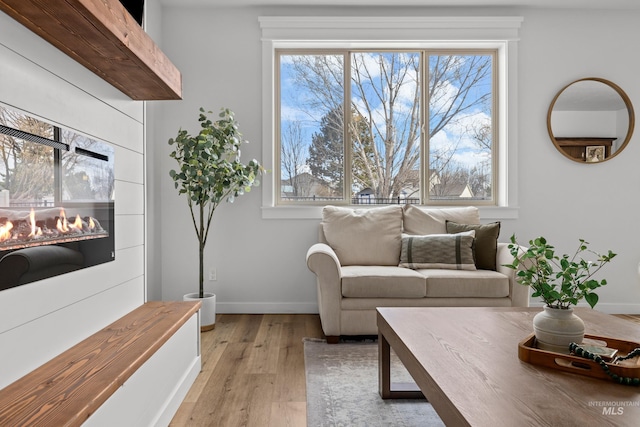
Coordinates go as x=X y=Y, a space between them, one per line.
x=594 y=153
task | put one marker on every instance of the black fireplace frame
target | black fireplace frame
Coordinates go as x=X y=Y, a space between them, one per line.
x=41 y=260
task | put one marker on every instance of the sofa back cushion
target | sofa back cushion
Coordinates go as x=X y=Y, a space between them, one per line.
x=364 y=236
x=433 y=221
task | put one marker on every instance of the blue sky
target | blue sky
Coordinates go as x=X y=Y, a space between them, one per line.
x=294 y=98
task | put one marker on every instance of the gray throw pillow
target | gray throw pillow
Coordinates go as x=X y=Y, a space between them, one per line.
x=486 y=242
x=448 y=251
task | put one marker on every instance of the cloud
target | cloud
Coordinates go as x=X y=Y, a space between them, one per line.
x=458 y=134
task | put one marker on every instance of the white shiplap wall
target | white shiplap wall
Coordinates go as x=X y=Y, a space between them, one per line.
x=42 y=319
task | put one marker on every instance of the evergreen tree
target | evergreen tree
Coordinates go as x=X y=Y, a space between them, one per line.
x=326 y=152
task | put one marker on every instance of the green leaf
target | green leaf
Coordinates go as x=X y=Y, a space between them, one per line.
x=592 y=299
x=559 y=280
x=209 y=165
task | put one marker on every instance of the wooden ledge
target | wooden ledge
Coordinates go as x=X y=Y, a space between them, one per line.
x=72 y=386
x=104 y=37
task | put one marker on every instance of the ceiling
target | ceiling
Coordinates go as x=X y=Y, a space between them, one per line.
x=578 y=4
x=589 y=95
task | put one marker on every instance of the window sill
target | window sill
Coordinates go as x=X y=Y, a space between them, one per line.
x=315 y=212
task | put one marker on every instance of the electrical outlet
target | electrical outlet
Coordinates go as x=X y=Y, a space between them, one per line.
x=213 y=276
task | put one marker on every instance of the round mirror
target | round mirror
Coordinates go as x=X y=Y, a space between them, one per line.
x=590 y=120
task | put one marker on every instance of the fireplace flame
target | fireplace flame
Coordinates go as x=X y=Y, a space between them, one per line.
x=77 y=224
x=24 y=231
x=62 y=225
x=5 y=231
x=35 y=230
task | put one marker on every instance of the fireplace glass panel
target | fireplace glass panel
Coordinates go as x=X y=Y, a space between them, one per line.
x=87 y=169
x=56 y=200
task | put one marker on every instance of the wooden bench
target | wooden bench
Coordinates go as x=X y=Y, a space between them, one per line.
x=69 y=388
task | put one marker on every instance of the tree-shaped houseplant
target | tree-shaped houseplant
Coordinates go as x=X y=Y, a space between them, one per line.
x=210 y=172
x=561 y=282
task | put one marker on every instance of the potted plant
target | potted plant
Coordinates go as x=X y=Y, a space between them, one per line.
x=561 y=282
x=210 y=172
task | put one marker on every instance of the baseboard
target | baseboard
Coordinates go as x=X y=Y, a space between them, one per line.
x=312 y=307
x=609 y=308
x=618 y=308
x=267 y=308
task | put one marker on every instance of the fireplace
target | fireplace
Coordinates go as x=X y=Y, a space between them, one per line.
x=56 y=200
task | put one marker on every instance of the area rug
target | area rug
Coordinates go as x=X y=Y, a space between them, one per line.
x=342 y=389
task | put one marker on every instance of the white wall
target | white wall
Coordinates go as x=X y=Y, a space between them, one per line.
x=153 y=115
x=622 y=127
x=585 y=123
x=44 y=318
x=261 y=263
x=562 y=199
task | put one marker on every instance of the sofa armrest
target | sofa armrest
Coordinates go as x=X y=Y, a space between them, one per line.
x=518 y=293
x=324 y=263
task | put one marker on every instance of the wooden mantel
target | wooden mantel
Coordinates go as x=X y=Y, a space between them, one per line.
x=102 y=36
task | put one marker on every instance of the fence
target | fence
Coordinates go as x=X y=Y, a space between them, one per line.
x=365 y=200
x=31 y=203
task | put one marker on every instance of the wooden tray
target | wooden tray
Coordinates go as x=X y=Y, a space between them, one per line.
x=527 y=352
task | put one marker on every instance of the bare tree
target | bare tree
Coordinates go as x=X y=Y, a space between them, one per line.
x=385 y=91
x=293 y=155
x=454 y=82
x=480 y=175
x=27 y=166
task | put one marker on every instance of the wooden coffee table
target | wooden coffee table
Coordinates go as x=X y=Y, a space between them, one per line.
x=465 y=362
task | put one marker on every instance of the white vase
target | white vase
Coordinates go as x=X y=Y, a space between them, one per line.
x=556 y=328
x=207 y=310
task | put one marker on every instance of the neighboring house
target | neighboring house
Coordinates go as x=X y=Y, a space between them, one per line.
x=437 y=188
x=411 y=187
x=304 y=185
x=451 y=191
x=365 y=196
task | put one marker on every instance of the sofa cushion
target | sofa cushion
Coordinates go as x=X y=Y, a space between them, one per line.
x=466 y=284
x=450 y=251
x=382 y=282
x=433 y=221
x=364 y=236
x=486 y=244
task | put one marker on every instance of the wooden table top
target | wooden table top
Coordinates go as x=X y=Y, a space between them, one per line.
x=465 y=361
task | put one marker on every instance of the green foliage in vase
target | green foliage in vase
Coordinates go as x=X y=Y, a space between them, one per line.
x=210 y=172
x=560 y=281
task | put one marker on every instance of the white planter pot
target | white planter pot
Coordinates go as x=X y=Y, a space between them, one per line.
x=556 y=328
x=207 y=311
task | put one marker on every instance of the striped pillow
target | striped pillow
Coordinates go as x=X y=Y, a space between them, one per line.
x=448 y=251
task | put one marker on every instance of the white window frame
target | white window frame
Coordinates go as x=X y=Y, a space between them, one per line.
x=499 y=33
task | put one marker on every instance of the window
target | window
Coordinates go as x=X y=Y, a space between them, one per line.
x=381 y=132
x=389 y=110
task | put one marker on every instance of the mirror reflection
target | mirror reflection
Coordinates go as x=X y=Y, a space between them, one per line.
x=590 y=120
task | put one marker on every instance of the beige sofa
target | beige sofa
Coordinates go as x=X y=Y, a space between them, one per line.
x=406 y=256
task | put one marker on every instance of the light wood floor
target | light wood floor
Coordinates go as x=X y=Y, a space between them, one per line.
x=253 y=372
